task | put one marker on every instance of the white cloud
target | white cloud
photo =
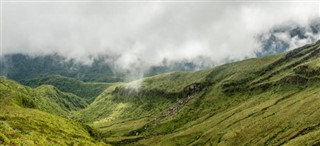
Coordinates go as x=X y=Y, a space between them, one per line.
x=143 y=34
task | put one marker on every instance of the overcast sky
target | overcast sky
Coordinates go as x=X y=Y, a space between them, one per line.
x=146 y=32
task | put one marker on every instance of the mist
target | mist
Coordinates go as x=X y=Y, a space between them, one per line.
x=139 y=35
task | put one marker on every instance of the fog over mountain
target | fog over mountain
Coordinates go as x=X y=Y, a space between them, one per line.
x=287 y=36
x=141 y=36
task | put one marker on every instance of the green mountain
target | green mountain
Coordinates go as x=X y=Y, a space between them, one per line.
x=20 y=67
x=23 y=67
x=39 y=116
x=86 y=90
x=273 y=100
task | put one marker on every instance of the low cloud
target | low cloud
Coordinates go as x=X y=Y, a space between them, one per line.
x=143 y=34
x=288 y=36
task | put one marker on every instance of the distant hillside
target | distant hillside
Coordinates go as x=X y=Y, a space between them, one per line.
x=86 y=90
x=21 y=67
x=271 y=100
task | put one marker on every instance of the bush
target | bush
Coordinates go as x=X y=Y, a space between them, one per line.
x=28 y=103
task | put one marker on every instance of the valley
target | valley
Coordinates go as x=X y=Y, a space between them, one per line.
x=271 y=100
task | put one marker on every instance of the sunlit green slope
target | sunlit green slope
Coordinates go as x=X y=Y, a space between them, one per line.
x=45 y=98
x=272 y=100
x=25 y=117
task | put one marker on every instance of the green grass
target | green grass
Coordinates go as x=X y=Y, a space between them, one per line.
x=174 y=81
x=24 y=126
x=272 y=100
x=269 y=118
x=37 y=117
x=46 y=98
x=259 y=101
x=86 y=90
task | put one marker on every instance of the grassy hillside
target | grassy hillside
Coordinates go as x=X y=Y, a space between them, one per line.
x=24 y=122
x=25 y=126
x=272 y=100
x=87 y=90
x=262 y=101
x=130 y=101
x=46 y=98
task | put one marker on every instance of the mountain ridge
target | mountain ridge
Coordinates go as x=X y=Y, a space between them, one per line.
x=281 y=78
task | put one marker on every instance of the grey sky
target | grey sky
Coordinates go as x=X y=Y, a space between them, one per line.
x=145 y=33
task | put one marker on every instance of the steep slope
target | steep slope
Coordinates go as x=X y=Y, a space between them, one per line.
x=265 y=101
x=22 y=122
